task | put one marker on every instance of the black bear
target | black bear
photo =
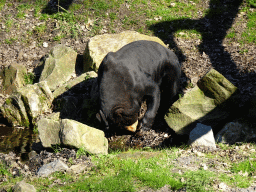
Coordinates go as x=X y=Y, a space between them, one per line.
x=141 y=70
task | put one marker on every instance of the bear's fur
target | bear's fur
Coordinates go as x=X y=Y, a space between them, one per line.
x=141 y=70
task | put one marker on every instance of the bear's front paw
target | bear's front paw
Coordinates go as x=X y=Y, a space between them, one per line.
x=146 y=124
x=144 y=128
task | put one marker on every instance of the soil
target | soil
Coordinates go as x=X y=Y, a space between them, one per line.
x=235 y=60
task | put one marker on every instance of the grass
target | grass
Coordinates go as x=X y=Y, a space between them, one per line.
x=174 y=18
x=137 y=169
x=29 y=78
x=138 y=15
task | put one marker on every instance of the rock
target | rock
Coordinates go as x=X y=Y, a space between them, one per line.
x=79 y=135
x=76 y=169
x=37 y=99
x=60 y=90
x=49 y=130
x=98 y=46
x=22 y=186
x=202 y=135
x=72 y=133
x=27 y=103
x=13 y=77
x=209 y=102
x=214 y=85
x=236 y=132
x=14 y=111
x=52 y=167
x=59 y=66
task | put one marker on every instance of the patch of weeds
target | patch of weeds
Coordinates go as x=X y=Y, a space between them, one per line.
x=44 y=17
x=243 y=51
x=9 y=24
x=74 y=31
x=231 y=35
x=189 y=34
x=3 y=170
x=10 y=41
x=37 y=11
x=40 y=29
x=70 y=160
x=81 y=152
x=99 y=7
x=29 y=78
x=75 y=7
x=181 y=95
x=22 y=8
x=189 y=86
x=87 y=77
x=97 y=27
x=252 y=3
x=151 y=172
x=200 y=180
x=249 y=35
x=56 y=148
x=242 y=176
x=246 y=166
x=65 y=16
x=223 y=146
x=2 y=3
x=112 y=16
x=236 y=180
x=58 y=37
x=68 y=87
x=35 y=129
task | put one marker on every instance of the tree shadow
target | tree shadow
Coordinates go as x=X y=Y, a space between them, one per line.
x=55 y=6
x=213 y=29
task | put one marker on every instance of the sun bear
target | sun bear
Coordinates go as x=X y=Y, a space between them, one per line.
x=141 y=70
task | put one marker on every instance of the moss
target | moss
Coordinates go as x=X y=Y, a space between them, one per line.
x=8 y=101
x=29 y=78
x=42 y=99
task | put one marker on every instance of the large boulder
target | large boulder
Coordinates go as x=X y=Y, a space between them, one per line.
x=209 y=102
x=14 y=111
x=100 y=45
x=13 y=77
x=49 y=130
x=59 y=66
x=234 y=132
x=82 y=136
x=202 y=135
x=29 y=102
x=68 y=85
x=52 y=167
x=22 y=186
x=72 y=133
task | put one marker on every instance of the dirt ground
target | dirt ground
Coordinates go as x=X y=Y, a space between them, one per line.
x=236 y=61
x=197 y=56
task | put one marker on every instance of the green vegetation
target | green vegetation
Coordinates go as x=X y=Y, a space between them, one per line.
x=29 y=78
x=175 y=18
x=2 y=3
x=134 y=170
x=252 y=3
x=167 y=19
x=249 y=35
x=11 y=40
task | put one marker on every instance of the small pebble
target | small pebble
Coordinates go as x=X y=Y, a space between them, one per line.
x=45 y=44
